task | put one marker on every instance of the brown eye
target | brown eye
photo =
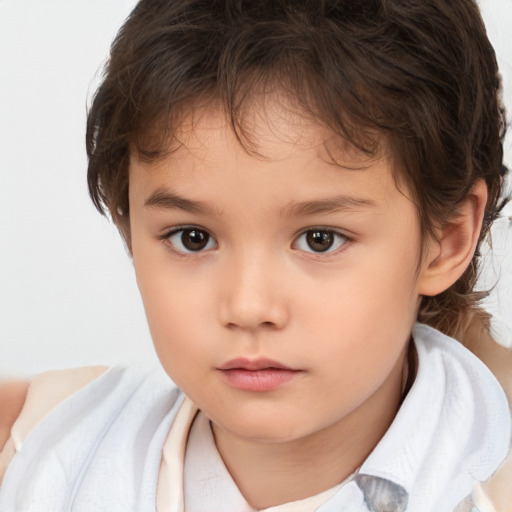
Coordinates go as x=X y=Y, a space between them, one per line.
x=320 y=241
x=194 y=239
x=190 y=240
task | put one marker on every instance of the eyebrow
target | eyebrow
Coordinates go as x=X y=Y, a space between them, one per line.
x=167 y=200
x=328 y=205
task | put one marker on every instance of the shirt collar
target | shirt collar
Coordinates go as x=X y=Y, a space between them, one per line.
x=453 y=426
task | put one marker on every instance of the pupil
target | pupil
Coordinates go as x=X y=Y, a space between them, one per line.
x=320 y=241
x=194 y=240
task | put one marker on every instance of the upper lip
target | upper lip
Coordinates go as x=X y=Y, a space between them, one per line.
x=242 y=363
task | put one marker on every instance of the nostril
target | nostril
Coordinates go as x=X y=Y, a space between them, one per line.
x=264 y=325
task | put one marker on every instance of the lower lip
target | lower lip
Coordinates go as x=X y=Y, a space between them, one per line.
x=267 y=379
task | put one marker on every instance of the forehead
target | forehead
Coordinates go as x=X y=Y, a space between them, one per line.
x=266 y=125
x=276 y=141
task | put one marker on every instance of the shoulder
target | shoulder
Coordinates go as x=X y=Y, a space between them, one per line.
x=48 y=390
x=95 y=392
x=490 y=343
x=482 y=341
x=475 y=340
x=120 y=419
x=23 y=404
x=479 y=339
x=12 y=398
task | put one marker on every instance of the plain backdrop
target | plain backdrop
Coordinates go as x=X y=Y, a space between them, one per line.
x=67 y=291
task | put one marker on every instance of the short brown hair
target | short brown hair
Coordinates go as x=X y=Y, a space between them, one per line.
x=421 y=73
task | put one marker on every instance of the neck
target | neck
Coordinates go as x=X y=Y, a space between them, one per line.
x=273 y=473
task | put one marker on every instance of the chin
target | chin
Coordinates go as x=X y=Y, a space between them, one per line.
x=264 y=429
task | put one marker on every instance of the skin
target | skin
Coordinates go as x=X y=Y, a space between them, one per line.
x=12 y=398
x=341 y=318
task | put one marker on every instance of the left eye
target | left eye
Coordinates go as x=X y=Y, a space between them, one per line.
x=189 y=240
x=320 y=241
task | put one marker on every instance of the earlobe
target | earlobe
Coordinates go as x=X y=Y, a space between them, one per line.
x=448 y=257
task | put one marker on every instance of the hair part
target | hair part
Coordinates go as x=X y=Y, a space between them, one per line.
x=419 y=74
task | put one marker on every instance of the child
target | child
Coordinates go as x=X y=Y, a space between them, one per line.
x=298 y=182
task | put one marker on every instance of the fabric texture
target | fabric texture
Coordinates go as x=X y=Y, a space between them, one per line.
x=101 y=448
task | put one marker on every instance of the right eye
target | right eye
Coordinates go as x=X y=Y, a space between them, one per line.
x=321 y=241
x=190 y=240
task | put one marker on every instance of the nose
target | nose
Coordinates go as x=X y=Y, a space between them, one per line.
x=252 y=297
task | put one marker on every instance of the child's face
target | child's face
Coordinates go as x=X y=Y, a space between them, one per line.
x=247 y=264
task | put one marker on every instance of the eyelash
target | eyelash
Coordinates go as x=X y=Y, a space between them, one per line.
x=342 y=239
x=166 y=239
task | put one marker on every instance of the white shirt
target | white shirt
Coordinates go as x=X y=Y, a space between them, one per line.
x=452 y=431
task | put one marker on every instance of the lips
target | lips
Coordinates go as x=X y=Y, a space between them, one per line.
x=257 y=375
x=253 y=364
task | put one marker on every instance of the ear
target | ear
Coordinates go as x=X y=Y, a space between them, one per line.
x=448 y=257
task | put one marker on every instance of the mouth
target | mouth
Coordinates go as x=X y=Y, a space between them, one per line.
x=254 y=365
x=257 y=375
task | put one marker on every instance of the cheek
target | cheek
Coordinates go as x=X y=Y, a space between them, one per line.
x=171 y=315
x=364 y=317
x=362 y=295
x=167 y=289
x=178 y=335
x=174 y=307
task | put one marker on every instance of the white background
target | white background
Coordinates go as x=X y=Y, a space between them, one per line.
x=67 y=291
